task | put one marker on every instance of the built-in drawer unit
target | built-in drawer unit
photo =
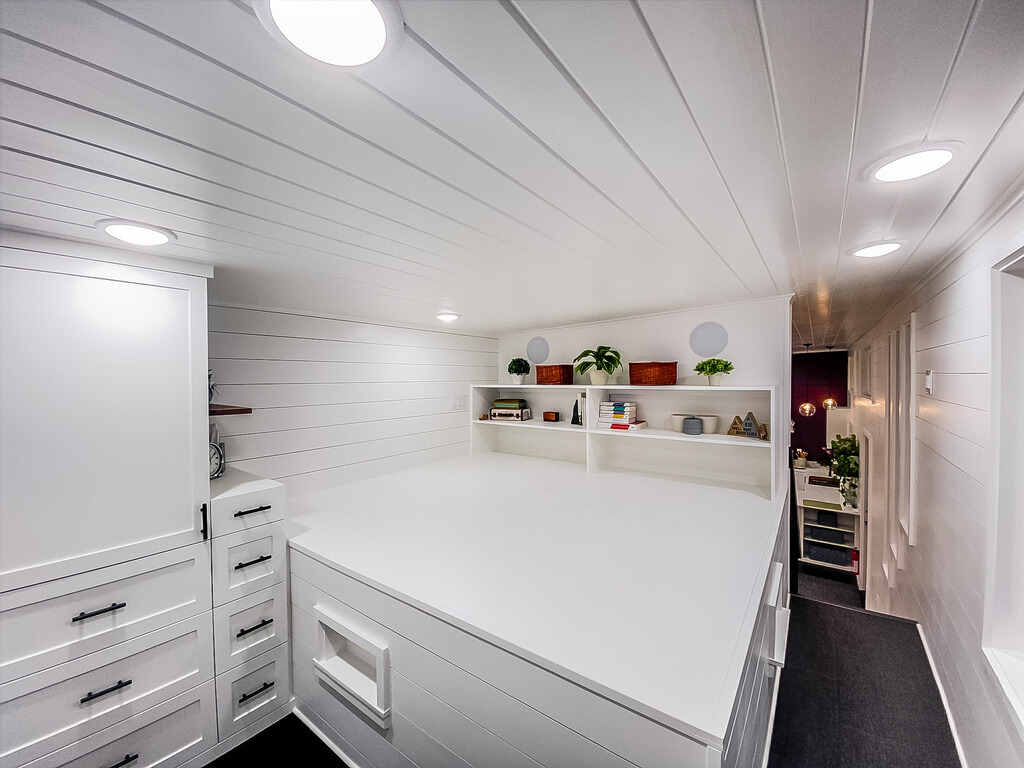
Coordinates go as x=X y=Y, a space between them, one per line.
x=166 y=735
x=252 y=690
x=248 y=561
x=250 y=625
x=240 y=501
x=532 y=711
x=48 y=710
x=61 y=620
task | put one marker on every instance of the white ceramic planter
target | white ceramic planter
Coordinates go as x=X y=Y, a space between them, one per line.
x=598 y=378
x=715 y=379
x=710 y=424
x=518 y=378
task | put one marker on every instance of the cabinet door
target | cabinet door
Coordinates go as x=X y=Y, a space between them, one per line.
x=103 y=414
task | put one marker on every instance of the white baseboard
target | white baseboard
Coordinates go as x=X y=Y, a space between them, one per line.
x=942 y=694
x=318 y=726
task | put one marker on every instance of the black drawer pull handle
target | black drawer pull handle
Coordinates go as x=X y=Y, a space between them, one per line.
x=265 y=687
x=127 y=759
x=245 y=512
x=115 y=687
x=100 y=612
x=258 y=560
x=261 y=625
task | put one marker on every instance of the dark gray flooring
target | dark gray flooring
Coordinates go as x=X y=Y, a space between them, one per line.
x=857 y=692
x=287 y=742
x=828 y=586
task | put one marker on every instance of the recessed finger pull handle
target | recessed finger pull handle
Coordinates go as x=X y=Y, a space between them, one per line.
x=258 y=560
x=90 y=696
x=265 y=687
x=112 y=607
x=247 y=630
x=254 y=510
x=128 y=760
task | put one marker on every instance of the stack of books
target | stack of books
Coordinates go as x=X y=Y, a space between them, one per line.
x=618 y=415
x=510 y=409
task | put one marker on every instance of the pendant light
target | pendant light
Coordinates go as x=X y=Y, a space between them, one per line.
x=830 y=403
x=806 y=407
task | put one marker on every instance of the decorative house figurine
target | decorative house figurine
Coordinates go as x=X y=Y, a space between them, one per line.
x=750 y=426
x=736 y=428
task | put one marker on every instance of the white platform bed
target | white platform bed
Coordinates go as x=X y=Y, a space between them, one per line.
x=502 y=610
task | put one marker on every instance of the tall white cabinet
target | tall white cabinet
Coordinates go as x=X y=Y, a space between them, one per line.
x=107 y=622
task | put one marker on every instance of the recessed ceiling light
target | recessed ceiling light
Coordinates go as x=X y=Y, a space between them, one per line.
x=342 y=33
x=447 y=316
x=876 y=250
x=135 y=233
x=913 y=165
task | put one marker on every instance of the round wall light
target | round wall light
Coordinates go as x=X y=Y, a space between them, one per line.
x=342 y=33
x=911 y=164
x=136 y=233
x=447 y=317
x=877 y=249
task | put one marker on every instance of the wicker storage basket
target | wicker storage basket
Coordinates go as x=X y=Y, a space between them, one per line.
x=554 y=374
x=652 y=374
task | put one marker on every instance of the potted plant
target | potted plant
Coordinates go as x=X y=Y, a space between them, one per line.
x=713 y=368
x=518 y=367
x=603 y=361
x=845 y=464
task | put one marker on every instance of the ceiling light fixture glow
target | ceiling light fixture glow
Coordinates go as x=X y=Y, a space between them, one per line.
x=913 y=165
x=447 y=317
x=876 y=250
x=135 y=233
x=342 y=33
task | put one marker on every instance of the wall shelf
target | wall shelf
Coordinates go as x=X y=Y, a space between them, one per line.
x=218 y=409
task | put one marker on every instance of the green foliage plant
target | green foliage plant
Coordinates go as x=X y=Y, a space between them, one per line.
x=712 y=366
x=603 y=358
x=845 y=454
x=518 y=366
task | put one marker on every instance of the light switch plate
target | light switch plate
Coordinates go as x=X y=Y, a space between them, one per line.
x=460 y=402
x=928 y=382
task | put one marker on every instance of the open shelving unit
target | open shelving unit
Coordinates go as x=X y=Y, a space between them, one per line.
x=829 y=528
x=712 y=459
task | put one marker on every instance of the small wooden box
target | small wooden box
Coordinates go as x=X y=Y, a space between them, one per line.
x=554 y=374
x=551 y=416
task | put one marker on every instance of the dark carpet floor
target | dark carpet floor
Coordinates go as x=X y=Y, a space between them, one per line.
x=828 y=586
x=287 y=742
x=857 y=692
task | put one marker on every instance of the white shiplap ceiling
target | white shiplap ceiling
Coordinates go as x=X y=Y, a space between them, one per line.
x=524 y=162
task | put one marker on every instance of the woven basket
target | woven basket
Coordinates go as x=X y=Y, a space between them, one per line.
x=554 y=374
x=652 y=374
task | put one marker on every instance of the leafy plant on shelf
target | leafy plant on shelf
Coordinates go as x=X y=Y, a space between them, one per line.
x=713 y=365
x=845 y=455
x=518 y=366
x=603 y=359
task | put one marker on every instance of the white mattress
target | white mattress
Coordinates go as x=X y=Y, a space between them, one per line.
x=643 y=589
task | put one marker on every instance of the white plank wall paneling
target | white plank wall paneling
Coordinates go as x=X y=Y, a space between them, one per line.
x=337 y=401
x=941 y=582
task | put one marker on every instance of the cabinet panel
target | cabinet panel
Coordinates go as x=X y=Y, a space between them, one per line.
x=167 y=735
x=241 y=501
x=248 y=561
x=56 y=707
x=61 y=620
x=103 y=407
x=247 y=627
x=252 y=690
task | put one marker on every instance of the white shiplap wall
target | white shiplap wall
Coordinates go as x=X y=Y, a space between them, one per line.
x=941 y=581
x=337 y=401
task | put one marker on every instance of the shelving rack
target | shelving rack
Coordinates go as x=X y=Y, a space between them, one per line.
x=829 y=529
x=712 y=459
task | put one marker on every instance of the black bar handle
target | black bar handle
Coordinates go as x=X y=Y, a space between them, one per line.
x=115 y=687
x=100 y=612
x=206 y=528
x=245 y=512
x=127 y=759
x=261 y=625
x=246 y=696
x=262 y=559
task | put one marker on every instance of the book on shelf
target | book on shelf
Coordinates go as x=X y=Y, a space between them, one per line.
x=509 y=403
x=620 y=416
x=624 y=427
x=618 y=403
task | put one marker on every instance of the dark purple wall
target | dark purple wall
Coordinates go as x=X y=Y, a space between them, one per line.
x=825 y=371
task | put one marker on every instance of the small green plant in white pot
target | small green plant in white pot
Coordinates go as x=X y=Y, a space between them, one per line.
x=518 y=367
x=714 y=368
x=601 y=363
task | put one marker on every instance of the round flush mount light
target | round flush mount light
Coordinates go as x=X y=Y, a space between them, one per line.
x=136 y=233
x=342 y=33
x=877 y=249
x=447 y=317
x=911 y=164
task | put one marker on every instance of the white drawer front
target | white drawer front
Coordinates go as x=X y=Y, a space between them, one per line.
x=57 y=621
x=167 y=735
x=252 y=690
x=245 y=628
x=55 y=707
x=247 y=561
x=244 y=505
